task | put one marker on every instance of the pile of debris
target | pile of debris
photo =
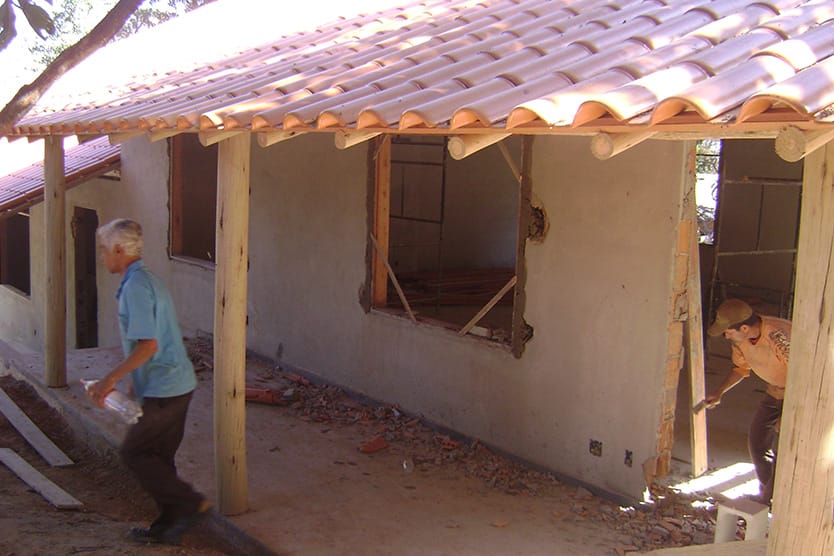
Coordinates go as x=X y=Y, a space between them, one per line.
x=667 y=519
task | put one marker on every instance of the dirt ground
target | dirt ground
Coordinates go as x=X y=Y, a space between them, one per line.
x=113 y=502
x=435 y=465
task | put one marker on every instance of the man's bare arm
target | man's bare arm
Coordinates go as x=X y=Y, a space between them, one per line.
x=140 y=355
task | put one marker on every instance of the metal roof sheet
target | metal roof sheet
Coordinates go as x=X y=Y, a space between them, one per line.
x=82 y=162
x=518 y=66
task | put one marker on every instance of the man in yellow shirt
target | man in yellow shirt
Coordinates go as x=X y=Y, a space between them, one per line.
x=761 y=344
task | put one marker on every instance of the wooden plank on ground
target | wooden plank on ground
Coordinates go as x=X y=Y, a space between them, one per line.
x=30 y=431
x=54 y=494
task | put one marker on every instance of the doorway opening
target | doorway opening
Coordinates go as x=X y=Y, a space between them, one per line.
x=84 y=225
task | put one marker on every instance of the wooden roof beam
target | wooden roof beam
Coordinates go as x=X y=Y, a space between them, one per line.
x=605 y=145
x=461 y=146
x=162 y=134
x=793 y=144
x=209 y=138
x=346 y=139
x=267 y=138
x=119 y=138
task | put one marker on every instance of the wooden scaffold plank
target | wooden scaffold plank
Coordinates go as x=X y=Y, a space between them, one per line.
x=54 y=494
x=33 y=435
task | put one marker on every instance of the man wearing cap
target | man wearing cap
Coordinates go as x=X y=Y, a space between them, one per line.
x=761 y=344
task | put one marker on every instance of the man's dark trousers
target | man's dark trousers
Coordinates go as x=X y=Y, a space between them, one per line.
x=762 y=440
x=148 y=451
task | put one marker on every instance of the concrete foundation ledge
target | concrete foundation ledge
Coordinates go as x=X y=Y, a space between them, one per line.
x=105 y=437
x=734 y=548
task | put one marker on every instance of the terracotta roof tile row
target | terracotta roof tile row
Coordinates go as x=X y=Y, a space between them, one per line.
x=81 y=163
x=506 y=65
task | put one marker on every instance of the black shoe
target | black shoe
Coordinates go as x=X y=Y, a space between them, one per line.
x=144 y=535
x=173 y=533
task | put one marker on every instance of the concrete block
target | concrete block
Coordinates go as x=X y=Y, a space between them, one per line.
x=753 y=513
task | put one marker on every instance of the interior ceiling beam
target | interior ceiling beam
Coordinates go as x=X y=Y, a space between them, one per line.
x=605 y=145
x=793 y=144
x=346 y=139
x=462 y=146
x=267 y=138
x=209 y=138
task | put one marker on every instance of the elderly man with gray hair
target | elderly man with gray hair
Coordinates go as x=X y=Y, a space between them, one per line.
x=162 y=380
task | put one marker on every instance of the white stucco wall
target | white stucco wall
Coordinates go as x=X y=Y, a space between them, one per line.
x=597 y=297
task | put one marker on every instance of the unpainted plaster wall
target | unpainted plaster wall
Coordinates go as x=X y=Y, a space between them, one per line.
x=597 y=296
x=22 y=318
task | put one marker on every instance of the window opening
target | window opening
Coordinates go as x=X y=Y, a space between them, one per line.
x=14 y=252
x=753 y=255
x=193 y=197
x=449 y=233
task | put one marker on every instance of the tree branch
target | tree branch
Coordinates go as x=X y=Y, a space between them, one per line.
x=101 y=34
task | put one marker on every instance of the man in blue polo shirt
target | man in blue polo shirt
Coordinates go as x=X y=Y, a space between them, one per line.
x=162 y=380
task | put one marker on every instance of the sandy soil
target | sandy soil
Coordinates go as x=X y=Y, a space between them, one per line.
x=112 y=500
x=331 y=474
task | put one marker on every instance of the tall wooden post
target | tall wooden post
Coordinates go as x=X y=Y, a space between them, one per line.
x=695 y=333
x=695 y=351
x=803 y=508
x=230 y=324
x=381 y=223
x=55 y=349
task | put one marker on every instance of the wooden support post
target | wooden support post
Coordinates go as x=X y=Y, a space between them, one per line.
x=695 y=352
x=803 y=503
x=232 y=246
x=381 y=223
x=55 y=348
